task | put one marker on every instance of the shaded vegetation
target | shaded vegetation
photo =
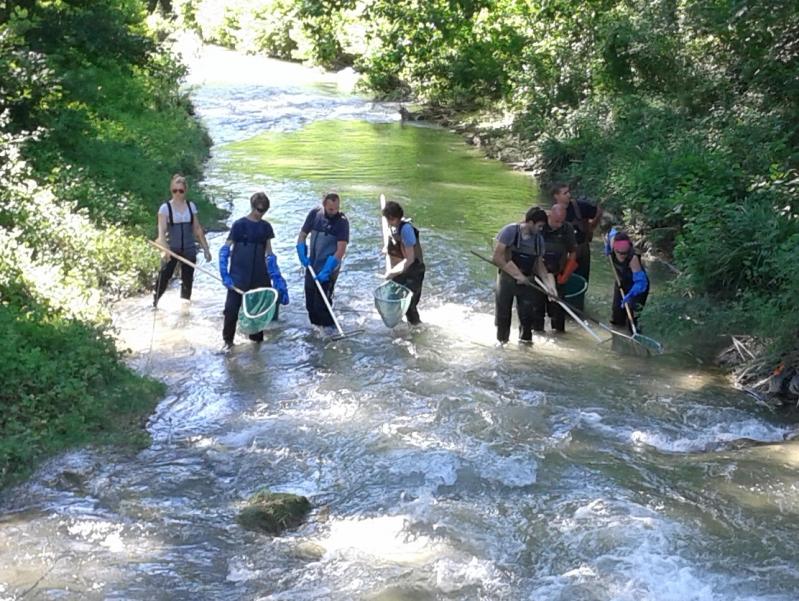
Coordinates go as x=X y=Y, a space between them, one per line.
x=684 y=116
x=92 y=125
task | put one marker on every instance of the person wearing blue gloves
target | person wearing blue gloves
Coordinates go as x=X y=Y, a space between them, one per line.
x=246 y=261
x=330 y=233
x=630 y=274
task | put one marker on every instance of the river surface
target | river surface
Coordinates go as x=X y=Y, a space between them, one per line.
x=438 y=466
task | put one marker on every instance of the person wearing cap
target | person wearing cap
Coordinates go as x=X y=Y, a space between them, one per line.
x=583 y=217
x=634 y=281
x=246 y=262
x=518 y=254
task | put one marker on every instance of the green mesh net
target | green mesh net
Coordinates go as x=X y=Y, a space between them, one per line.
x=392 y=301
x=258 y=307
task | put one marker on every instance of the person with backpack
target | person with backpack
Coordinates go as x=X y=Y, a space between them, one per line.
x=179 y=230
x=405 y=256
x=246 y=262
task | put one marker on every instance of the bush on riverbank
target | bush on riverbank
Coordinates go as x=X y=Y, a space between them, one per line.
x=92 y=125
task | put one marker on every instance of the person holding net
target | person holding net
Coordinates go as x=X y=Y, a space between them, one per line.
x=518 y=255
x=405 y=256
x=179 y=230
x=321 y=256
x=246 y=262
x=631 y=284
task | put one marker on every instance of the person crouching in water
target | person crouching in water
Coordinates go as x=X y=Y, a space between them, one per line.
x=631 y=273
x=330 y=234
x=248 y=252
x=518 y=254
x=405 y=253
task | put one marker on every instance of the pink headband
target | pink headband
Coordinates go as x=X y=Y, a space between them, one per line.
x=622 y=245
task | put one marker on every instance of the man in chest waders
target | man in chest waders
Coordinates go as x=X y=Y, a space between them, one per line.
x=559 y=251
x=583 y=217
x=246 y=261
x=405 y=254
x=518 y=254
x=330 y=233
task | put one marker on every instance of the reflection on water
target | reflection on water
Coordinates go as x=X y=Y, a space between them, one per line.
x=439 y=466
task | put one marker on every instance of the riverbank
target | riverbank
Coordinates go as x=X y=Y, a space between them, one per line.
x=91 y=130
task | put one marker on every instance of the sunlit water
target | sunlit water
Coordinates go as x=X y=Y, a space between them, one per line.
x=439 y=467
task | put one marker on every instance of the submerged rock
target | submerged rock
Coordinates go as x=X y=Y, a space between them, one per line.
x=272 y=513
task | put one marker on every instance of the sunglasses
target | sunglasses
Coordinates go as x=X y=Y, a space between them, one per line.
x=177 y=191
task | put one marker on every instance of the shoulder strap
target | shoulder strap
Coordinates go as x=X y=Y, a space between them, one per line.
x=171 y=216
x=191 y=213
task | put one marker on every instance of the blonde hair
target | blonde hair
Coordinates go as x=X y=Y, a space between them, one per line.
x=178 y=179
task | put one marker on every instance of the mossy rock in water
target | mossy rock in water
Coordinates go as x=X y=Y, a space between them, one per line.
x=273 y=512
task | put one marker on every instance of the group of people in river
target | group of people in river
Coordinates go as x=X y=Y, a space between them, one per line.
x=536 y=258
x=540 y=255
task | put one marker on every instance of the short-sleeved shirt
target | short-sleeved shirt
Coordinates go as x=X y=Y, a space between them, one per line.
x=407 y=235
x=511 y=235
x=587 y=211
x=337 y=225
x=178 y=216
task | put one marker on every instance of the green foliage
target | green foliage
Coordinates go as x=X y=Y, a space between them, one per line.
x=63 y=384
x=92 y=125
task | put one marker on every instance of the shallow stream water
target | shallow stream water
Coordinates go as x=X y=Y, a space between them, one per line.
x=439 y=467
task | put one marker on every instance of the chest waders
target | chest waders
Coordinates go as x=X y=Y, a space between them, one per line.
x=180 y=237
x=323 y=244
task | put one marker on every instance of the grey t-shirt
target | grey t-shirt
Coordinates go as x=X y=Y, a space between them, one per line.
x=512 y=235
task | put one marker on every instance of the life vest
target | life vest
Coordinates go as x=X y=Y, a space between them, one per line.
x=395 y=243
x=180 y=235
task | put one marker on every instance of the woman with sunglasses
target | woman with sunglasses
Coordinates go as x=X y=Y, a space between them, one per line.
x=179 y=230
x=246 y=261
x=632 y=276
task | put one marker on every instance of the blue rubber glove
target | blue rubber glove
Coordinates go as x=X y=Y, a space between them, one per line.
x=331 y=264
x=609 y=240
x=278 y=282
x=640 y=285
x=302 y=254
x=224 y=259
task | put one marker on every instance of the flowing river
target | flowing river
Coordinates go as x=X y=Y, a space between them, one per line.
x=438 y=466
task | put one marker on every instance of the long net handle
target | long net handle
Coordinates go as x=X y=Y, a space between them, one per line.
x=327 y=302
x=190 y=264
x=386 y=232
